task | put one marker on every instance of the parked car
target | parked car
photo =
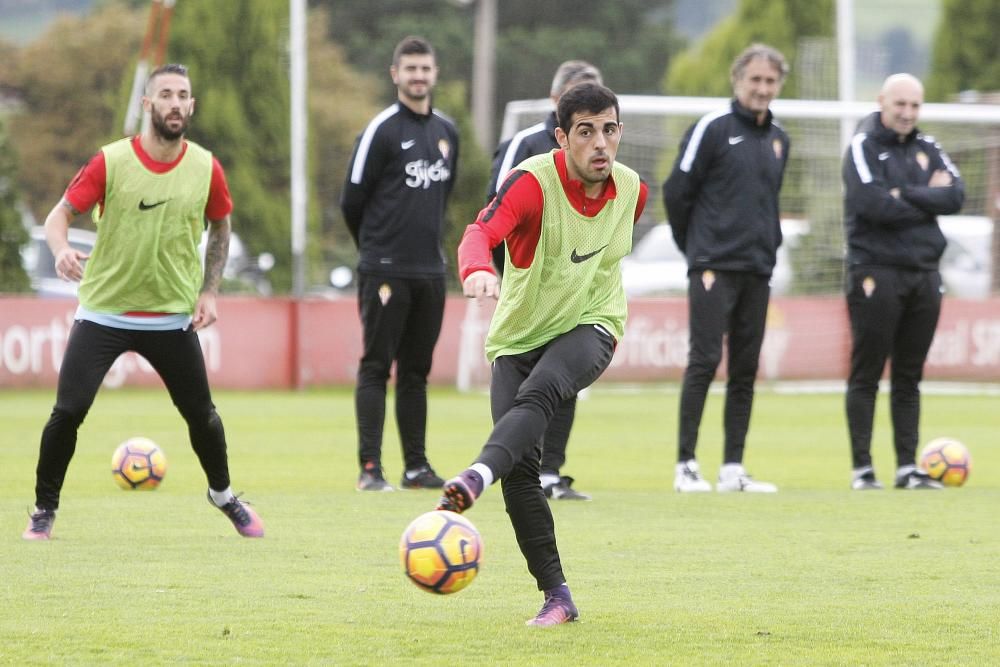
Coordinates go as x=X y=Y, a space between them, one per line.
x=250 y=273
x=657 y=266
x=967 y=266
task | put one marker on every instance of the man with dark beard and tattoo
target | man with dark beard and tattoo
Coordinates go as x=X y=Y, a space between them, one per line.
x=143 y=289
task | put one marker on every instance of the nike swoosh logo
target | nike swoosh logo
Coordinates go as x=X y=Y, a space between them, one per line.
x=735 y=140
x=407 y=144
x=143 y=206
x=883 y=156
x=576 y=259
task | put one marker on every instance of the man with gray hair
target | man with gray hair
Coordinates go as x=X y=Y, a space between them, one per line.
x=536 y=140
x=722 y=204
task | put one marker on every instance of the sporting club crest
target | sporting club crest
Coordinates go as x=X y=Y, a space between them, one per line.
x=868 y=286
x=384 y=293
x=444 y=147
x=708 y=279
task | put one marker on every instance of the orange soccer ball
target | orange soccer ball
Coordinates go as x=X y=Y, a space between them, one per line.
x=947 y=460
x=138 y=463
x=441 y=552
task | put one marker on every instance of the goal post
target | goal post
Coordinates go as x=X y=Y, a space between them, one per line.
x=811 y=197
x=812 y=189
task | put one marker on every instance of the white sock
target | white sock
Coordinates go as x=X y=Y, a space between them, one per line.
x=484 y=472
x=548 y=479
x=221 y=498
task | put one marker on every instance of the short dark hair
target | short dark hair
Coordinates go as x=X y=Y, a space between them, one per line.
x=412 y=45
x=169 y=68
x=591 y=97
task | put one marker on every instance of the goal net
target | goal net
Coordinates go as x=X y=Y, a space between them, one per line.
x=811 y=261
x=812 y=191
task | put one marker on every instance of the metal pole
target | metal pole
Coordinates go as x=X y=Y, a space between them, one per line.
x=845 y=65
x=299 y=123
x=483 y=72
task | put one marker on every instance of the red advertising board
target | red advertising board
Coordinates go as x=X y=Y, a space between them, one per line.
x=284 y=343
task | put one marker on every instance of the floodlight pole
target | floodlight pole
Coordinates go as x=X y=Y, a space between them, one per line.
x=483 y=72
x=299 y=123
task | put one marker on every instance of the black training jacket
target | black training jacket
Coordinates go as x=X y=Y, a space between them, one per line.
x=534 y=140
x=885 y=230
x=398 y=182
x=722 y=195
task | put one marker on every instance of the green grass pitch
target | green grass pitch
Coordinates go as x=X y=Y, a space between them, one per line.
x=814 y=575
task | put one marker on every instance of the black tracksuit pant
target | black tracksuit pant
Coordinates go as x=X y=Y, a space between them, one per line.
x=557 y=435
x=401 y=319
x=90 y=351
x=894 y=313
x=721 y=303
x=525 y=392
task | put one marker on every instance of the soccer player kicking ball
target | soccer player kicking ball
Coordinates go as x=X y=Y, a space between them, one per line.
x=567 y=219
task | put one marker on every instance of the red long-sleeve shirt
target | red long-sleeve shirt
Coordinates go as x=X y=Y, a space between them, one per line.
x=87 y=187
x=515 y=215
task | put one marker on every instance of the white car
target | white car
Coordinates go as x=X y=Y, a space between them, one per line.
x=38 y=262
x=657 y=266
x=967 y=266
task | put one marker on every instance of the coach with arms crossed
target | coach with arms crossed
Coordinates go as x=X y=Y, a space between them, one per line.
x=722 y=204
x=897 y=181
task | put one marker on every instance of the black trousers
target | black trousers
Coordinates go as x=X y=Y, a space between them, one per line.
x=401 y=319
x=525 y=391
x=731 y=304
x=90 y=351
x=557 y=435
x=894 y=313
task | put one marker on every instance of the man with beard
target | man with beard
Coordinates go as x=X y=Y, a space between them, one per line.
x=398 y=184
x=567 y=218
x=143 y=289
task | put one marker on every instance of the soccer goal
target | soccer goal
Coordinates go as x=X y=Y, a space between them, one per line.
x=811 y=196
x=812 y=190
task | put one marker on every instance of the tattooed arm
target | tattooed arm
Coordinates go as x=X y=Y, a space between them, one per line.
x=216 y=252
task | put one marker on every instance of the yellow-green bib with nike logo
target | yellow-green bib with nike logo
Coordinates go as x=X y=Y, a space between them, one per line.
x=146 y=256
x=575 y=276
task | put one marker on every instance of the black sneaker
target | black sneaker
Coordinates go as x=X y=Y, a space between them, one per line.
x=372 y=479
x=864 y=480
x=425 y=478
x=39 y=525
x=562 y=490
x=917 y=479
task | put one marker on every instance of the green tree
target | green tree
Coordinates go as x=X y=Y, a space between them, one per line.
x=703 y=69
x=631 y=41
x=238 y=62
x=71 y=84
x=966 y=49
x=12 y=232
